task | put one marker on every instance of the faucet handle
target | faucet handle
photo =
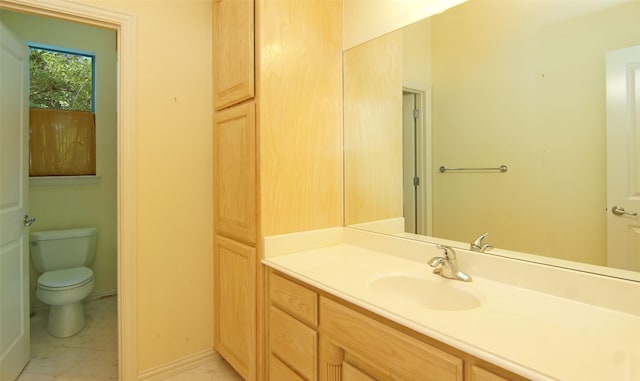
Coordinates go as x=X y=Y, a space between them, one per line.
x=449 y=253
x=477 y=245
x=436 y=261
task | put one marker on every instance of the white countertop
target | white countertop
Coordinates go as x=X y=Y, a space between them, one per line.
x=535 y=334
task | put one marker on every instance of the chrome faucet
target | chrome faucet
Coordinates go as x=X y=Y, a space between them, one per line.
x=477 y=245
x=447 y=265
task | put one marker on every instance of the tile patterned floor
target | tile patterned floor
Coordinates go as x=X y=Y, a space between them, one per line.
x=92 y=354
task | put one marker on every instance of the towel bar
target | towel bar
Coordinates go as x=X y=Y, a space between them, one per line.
x=502 y=168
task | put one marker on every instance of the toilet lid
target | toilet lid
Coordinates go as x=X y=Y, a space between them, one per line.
x=75 y=276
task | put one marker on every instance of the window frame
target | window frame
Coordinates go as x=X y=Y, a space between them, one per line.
x=63 y=50
x=67 y=179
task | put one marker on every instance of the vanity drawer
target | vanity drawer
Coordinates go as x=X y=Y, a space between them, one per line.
x=280 y=371
x=384 y=349
x=480 y=374
x=294 y=298
x=293 y=342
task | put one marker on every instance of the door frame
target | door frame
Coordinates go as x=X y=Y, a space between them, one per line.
x=124 y=25
x=424 y=167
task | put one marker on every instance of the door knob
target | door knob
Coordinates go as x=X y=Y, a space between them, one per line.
x=619 y=211
x=28 y=221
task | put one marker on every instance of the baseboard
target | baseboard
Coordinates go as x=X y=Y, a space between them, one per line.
x=39 y=306
x=179 y=366
x=101 y=294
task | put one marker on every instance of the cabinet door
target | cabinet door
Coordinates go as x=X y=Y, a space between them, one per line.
x=235 y=305
x=234 y=173
x=233 y=52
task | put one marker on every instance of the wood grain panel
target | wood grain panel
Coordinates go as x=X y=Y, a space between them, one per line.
x=351 y=373
x=480 y=374
x=299 y=93
x=235 y=304
x=373 y=135
x=279 y=371
x=297 y=300
x=391 y=352
x=234 y=173
x=233 y=52
x=294 y=342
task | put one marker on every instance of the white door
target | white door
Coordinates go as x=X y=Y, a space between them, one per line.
x=14 y=251
x=623 y=158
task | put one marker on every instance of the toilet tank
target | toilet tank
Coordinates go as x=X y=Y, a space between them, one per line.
x=62 y=249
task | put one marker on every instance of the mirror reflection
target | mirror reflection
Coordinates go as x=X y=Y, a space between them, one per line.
x=545 y=88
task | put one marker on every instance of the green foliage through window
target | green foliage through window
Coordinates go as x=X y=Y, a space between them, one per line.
x=60 y=80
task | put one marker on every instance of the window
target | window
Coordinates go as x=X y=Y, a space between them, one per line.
x=61 y=113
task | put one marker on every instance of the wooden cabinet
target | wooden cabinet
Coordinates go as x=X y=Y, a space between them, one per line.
x=293 y=342
x=235 y=220
x=373 y=349
x=233 y=52
x=234 y=172
x=292 y=330
x=235 y=259
x=235 y=304
x=477 y=373
x=281 y=371
x=295 y=299
x=315 y=336
x=277 y=72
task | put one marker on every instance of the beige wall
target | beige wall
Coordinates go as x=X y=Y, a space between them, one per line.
x=173 y=175
x=94 y=204
x=367 y=19
x=416 y=53
x=503 y=94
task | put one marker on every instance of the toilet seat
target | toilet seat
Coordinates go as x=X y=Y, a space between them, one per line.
x=65 y=278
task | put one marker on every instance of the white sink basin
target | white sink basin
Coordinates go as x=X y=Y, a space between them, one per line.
x=432 y=292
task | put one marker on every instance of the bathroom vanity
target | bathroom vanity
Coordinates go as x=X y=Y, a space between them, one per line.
x=355 y=344
x=345 y=304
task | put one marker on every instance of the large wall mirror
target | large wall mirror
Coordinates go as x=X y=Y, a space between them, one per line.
x=516 y=118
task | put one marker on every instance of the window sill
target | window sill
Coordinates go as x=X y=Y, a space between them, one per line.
x=62 y=180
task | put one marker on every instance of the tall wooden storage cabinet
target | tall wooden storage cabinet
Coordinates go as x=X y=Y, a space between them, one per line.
x=277 y=158
x=235 y=259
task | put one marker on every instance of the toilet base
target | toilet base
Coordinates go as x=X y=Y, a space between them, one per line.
x=66 y=320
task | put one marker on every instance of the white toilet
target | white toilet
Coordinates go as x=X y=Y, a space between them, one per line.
x=62 y=256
